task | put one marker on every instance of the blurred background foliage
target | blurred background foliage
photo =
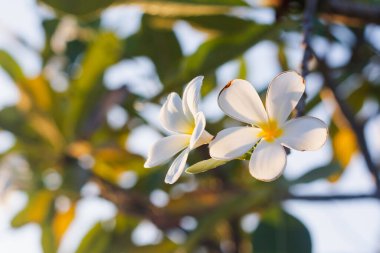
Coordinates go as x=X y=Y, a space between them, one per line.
x=67 y=140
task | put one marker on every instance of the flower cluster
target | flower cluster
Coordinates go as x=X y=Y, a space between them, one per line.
x=267 y=129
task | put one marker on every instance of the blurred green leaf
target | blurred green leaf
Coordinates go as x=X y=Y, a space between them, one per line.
x=229 y=208
x=187 y=8
x=243 y=71
x=48 y=241
x=83 y=7
x=10 y=66
x=220 y=23
x=156 y=40
x=49 y=26
x=96 y=240
x=279 y=232
x=36 y=210
x=204 y=166
x=166 y=246
x=16 y=122
x=202 y=2
x=282 y=59
x=87 y=87
x=217 y=51
x=322 y=172
x=78 y=7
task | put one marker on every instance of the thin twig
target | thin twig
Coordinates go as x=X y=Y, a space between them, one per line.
x=309 y=14
x=356 y=126
x=333 y=197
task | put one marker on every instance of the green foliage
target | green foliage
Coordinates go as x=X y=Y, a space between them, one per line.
x=215 y=52
x=319 y=173
x=87 y=85
x=96 y=241
x=156 y=40
x=10 y=66
x=279 y=232
x=81 y=7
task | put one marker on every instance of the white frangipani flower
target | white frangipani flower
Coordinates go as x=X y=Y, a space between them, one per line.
x=188 y=125
x=269 y=127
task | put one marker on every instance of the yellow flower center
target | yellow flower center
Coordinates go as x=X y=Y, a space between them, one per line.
x=270 y=131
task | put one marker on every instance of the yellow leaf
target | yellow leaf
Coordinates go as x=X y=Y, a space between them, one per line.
x=345 y=146
x=40 y=206
x=24 y=104
x=47 y=128
x=61 y=222
x=79 y=148
x=172 y=9
x=111 y=162
x=38 y=88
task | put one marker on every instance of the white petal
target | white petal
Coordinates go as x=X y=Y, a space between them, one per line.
x=166 y=148
x=177 y=167
x=283 y=94
x=233 y=142
x=205 y=138
x=304 y=133
x=172 y=116
x=199 y=136
x=240 y=101
x=268 y=161
x=191 y=96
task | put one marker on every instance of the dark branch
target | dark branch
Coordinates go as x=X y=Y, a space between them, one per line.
x=310 y=9
x=332 y=197
x=365 y=12
x=309 y=14
x=356 y=126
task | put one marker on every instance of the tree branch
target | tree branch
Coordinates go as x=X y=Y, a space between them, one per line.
x=366 y=12
x=309 y=13
x=375 y=195
x=356 y=126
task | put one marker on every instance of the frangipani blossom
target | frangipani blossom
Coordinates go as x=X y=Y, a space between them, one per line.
x=187 y=123
x=268 y=127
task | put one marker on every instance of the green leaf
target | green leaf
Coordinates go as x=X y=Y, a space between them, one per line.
x=96 y=240
x=219 y=23
x=243 y=69
x=85 y=8
x=13 y=120
x=229 y=208
x=322 y=172
x=187 y=8
x=201 y=2
x=205 y=166
x=78 y=7
x=11 y=66
x=164 y=246
x=216 y=52
x=48 y=241
x=49 y=26
x=159 y=43
x=37 y=209
x=279 y=232
x=88 y=86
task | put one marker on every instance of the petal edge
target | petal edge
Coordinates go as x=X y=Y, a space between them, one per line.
x=283 y=94
x=239 y=100
x=233 y=142
x=304 y=133
x=268 y=161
